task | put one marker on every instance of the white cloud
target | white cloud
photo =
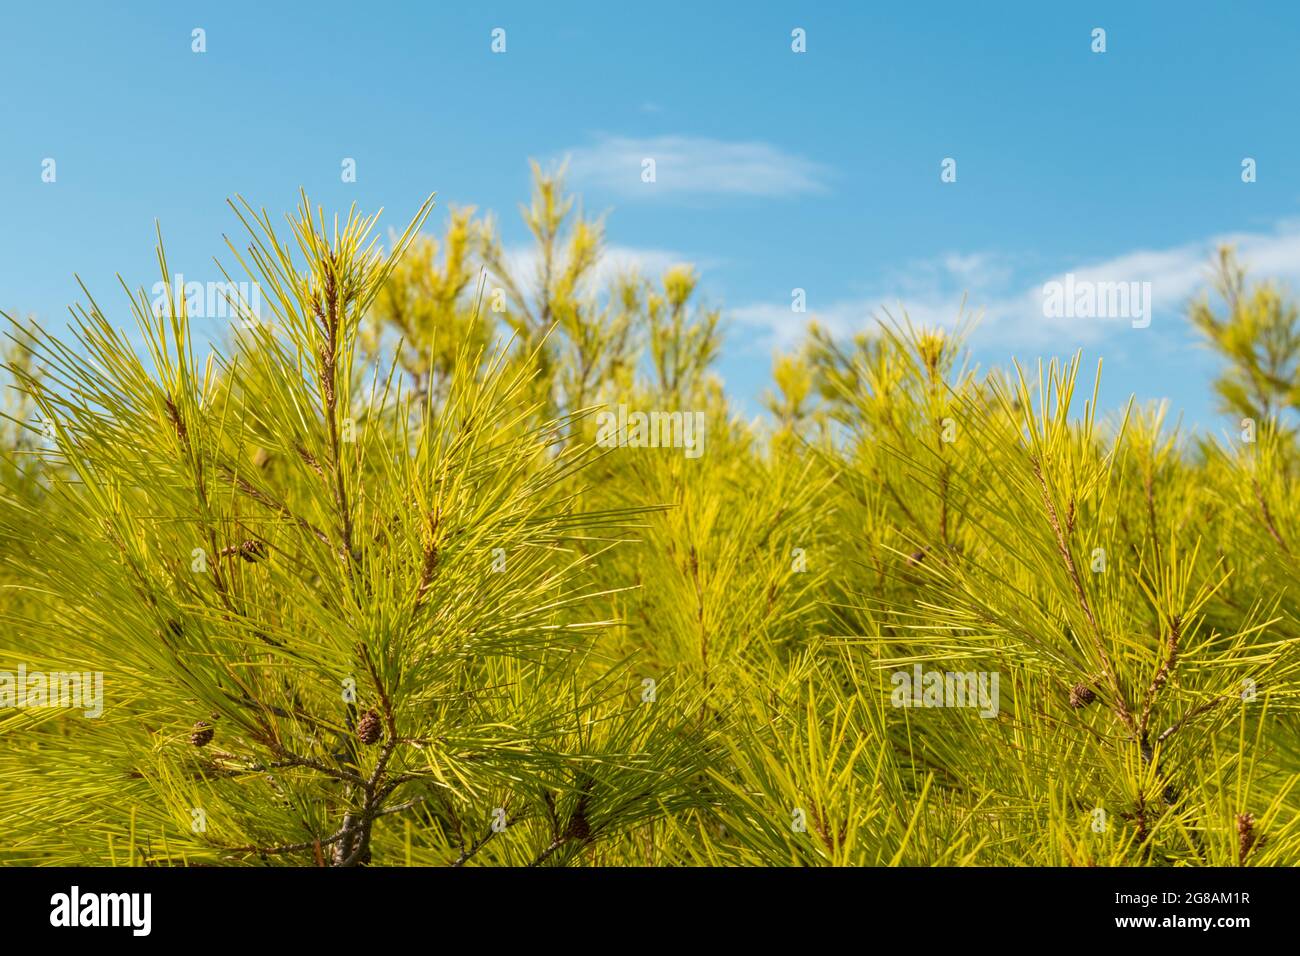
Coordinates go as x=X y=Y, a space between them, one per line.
x=777 y=326
x=617 y=260
x=1177 y=274
x=1011 y=302
x=694 y=165
x=649 y=263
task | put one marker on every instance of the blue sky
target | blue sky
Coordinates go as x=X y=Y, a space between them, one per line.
x=775 y=170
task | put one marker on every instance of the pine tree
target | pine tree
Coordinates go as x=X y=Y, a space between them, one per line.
x=385 y=623
x=365 y=584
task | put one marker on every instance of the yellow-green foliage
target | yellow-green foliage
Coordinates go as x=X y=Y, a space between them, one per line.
x=371 y=584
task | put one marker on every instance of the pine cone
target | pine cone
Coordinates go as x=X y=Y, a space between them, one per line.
x=252 y=550
x=202 y=733
x=369 y=729
x=579 y=829
x=1245 y=836
x=1081 y=695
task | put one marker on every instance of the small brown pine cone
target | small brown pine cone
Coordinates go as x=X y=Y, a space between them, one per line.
x=1081 y=695
x=579 y=829
x=252 y=550
x=201 y=735
x=1245 y=835
x=369 y=729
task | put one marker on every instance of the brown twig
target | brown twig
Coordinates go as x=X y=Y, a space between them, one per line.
x=1166 y=668
x=1189 y=716
x=1268 y=515
x=267 y=500
x=1120 y=706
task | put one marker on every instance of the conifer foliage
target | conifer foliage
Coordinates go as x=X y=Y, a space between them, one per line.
x=367 y=584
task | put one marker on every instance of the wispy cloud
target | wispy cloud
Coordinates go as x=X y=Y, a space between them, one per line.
x=617 y=260
x=1010 y=296
x=694 y=165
